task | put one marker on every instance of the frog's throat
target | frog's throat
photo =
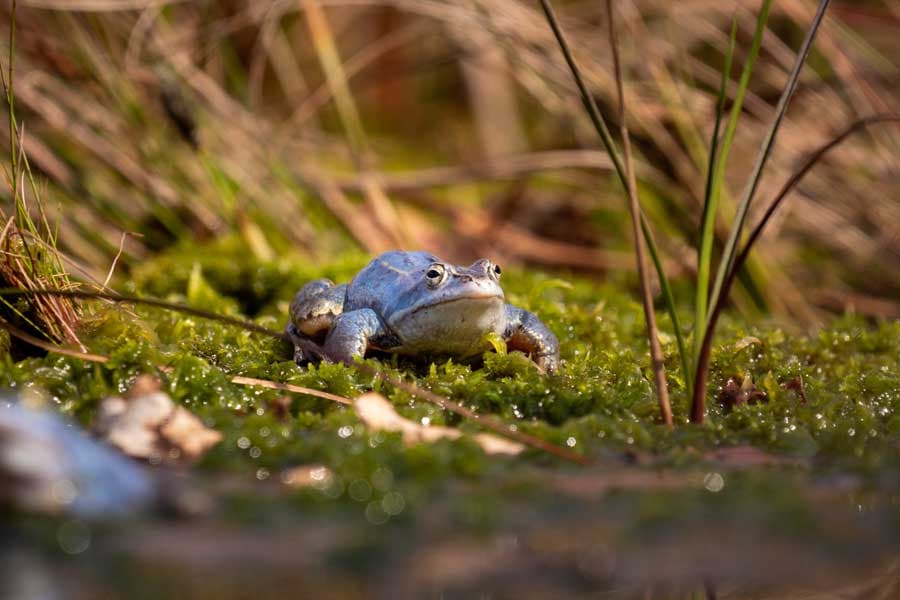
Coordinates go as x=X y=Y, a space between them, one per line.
x=420 y=307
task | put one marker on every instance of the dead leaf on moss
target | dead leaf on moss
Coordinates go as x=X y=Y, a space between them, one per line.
x=148 y=424
x=746 y=342
x=379 y=414
x=304 y=476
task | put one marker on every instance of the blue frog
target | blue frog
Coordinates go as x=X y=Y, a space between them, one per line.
x=414 y=304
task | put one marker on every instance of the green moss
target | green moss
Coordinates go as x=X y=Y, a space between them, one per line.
x=601 y=401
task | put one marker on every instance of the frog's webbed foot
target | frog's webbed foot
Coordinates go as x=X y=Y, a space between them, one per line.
x=525 y=332
x=353 y=333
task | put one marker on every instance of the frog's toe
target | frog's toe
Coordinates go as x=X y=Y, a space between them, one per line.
x=309 y=353
x=305 y=350
x=302 y=357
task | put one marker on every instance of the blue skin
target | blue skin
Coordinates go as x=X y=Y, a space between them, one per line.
x=415 y=304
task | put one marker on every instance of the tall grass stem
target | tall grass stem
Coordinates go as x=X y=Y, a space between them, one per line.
x=634 y=209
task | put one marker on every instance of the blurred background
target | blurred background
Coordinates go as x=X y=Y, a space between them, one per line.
x=316 y=127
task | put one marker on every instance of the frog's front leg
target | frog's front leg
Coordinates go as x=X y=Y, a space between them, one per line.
x=525 y=332
x=353 y=332
x=313 y=312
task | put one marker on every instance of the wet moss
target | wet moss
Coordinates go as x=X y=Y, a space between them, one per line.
x=600 y=402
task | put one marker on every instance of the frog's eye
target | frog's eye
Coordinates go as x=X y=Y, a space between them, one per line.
x=435 y=274
x=494 y=270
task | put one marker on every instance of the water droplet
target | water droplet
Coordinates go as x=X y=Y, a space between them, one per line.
x=360 y=490
x=243 y=443
x=345 y=431
x=571 y=442
x=64 y=492
x=713 y=482
x=382 y=479
x=74 y=537
x=393 y=503
x=375 y=513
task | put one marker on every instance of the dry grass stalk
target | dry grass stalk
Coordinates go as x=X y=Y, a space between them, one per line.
x=28 y=256
x=29 y=263
x=382 y=211
x=671 y=103
x=634 y=208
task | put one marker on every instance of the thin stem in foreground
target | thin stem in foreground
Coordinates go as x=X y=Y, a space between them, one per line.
x=656 y=356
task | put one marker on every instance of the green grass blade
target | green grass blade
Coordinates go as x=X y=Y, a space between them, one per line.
x=708 y=220
x=768 y=143
x=714 y=187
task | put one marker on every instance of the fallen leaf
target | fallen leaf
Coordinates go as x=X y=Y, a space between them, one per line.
x=746 y=342
x=379 y=414
x=494 y=444
x=188 y=433
x=495 y=341
x=148 y=424
x=304 y=476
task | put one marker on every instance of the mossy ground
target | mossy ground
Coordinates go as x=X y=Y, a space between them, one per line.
x=601 y=404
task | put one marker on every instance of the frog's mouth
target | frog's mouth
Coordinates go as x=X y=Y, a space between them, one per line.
x=474 y=298
x=451 y=309
x=452 y=326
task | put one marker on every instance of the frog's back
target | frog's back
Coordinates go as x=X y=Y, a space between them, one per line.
x=389 y=282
